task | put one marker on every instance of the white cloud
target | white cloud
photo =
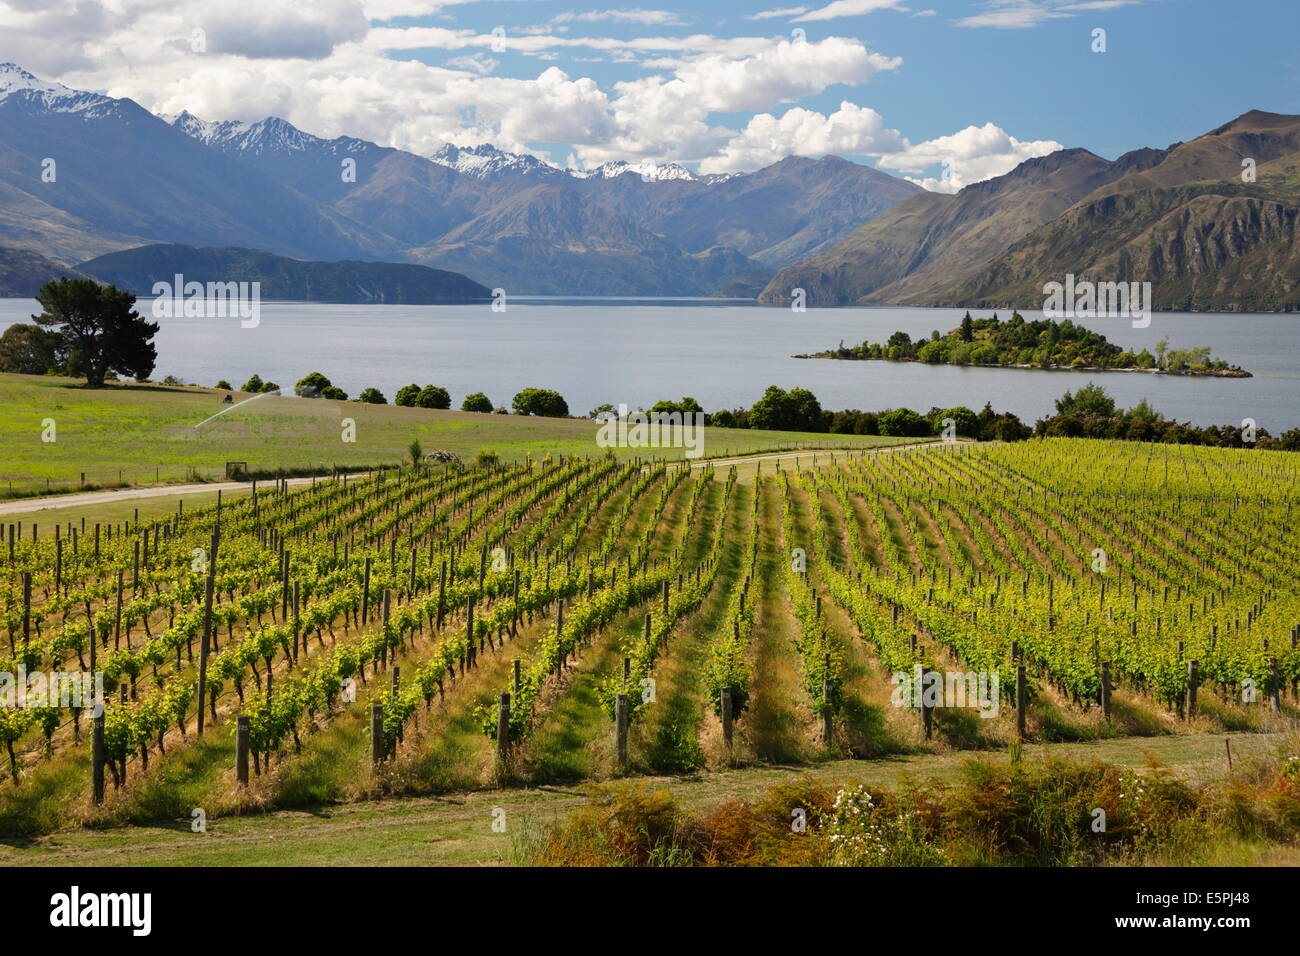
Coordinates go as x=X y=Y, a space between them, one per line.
x=661 y=18
x=851 y=130
x=1025 y=14
x=972 y=155
x=774 y=14
x=848 y=8
x=477 y=62
x=326 y=70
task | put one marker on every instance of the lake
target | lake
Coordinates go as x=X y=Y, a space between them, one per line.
x=722 y=352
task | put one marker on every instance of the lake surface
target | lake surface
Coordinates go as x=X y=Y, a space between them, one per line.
x=722 y=352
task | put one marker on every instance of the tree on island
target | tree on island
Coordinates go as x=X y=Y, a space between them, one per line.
x=967 y=328
x=99 y=329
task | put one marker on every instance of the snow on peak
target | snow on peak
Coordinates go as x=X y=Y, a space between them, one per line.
x=55 y=97
x=485 y=161
x=648 y=170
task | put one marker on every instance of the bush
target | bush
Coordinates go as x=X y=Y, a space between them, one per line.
x=254 y=384
x=476 y=402
x=796 y=411
x=966 y=421
x=540 y=401
x=334 y=393
x=31 y=350
x=372 y=396
x=224 y=384
x=407 y=396
x=434 y=396
x=904 y=423
x=312 y=386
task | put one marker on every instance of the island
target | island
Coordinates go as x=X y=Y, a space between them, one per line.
x=1040 y=344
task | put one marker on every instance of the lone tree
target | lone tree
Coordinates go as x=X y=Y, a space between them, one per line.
x=100 y=329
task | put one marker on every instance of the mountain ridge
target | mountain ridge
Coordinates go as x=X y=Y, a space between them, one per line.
x=1180 y=217
x=269 y=185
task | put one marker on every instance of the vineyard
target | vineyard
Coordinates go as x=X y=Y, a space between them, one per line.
x=417 y=630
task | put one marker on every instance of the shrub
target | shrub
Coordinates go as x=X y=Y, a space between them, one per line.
x=372 y=396
x=407 y=396
x=312 y=386
x=434 y=396
x=540 y=401
x=904 y=423
x=476 y=402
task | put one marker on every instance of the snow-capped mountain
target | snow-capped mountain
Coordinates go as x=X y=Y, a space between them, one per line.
x=19 y=85
x=127 y=177
x=268 y=136
x=648 y=170
x=485 y=161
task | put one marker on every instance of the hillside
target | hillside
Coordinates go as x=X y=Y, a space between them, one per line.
x=23 y=272
x=281 y=278
x=549 y=240
x=127 y=178
x=1181 y=218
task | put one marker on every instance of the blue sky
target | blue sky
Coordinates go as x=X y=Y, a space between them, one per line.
x=946 y=92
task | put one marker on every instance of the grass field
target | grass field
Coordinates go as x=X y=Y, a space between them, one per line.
x=137 y=434
x=455 y=828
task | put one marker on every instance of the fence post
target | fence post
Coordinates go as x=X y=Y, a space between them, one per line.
x=503 y=726
x=376 y=734
x=241 y=750
x=620 y=728
x=728 y=717
x=97 y=757
x=1022 y=705
x=828 y=691
x=1192 y=676
x=1105 y=689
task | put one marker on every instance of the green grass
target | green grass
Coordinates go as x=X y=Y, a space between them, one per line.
x=456 y=829
x=144 y=434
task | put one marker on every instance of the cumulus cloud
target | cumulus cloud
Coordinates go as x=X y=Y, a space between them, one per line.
x=852 y=130
x=326 y=69
x=969 y=156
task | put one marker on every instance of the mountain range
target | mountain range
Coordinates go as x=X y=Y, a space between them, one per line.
x=1211 y=223
x=83 y=175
